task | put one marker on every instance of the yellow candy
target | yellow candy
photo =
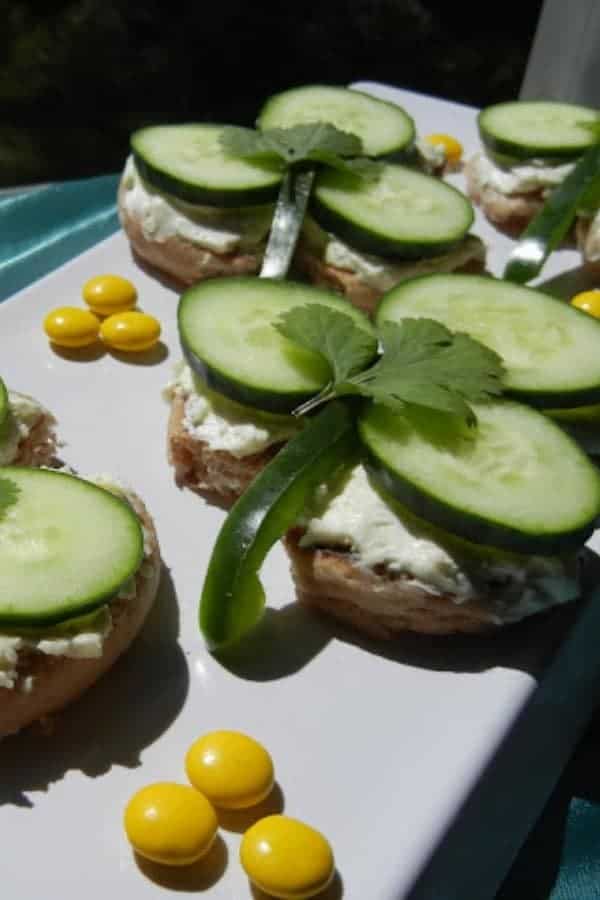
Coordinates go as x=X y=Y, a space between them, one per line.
x=69 y=326
x=589 y=302
x=233 y=770
x=286 y=858
x=170 y=823
x=108 y=294
x=452 y=148
x=130 y=331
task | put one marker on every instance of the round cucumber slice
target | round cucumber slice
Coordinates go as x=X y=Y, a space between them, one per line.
x=494 y=485
x=227 y=335
x=549 y=348
x=66 y=546
x=188 y=162
x=538 y=128
x=383 y=127
x=402 y=213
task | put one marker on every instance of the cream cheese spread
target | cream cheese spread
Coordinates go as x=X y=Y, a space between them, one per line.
x=523 y=178
x=591 y=244
x=24 y=414
x=224 y=425
x=353 y=515
x=162 y=216
x=381 y=273
x=87 y=643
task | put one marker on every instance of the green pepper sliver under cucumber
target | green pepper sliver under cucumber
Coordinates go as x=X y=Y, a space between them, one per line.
x=545 y=232
x=233 y=597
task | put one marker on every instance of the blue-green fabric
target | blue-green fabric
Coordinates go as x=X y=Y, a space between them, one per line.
x=45 y=227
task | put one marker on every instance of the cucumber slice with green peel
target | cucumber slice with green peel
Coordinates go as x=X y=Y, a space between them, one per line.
x=549 y=348
x=228 y=337
x=232 y=596
x=188 y=162
x=66 y=546
x=402 y=213
x=384 y=128
x=537 y=129
x=516 y=481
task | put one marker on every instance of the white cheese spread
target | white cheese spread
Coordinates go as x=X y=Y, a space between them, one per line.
x=162 y=216
x=224 y=425
x=432 y=157
x=523 y=178
x=591 y=244
x=354 y=516
x=24 y=414
x=382 y=273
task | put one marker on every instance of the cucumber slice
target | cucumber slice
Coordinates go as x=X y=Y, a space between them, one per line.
x=538 y=128
x=549 y=348
x=227 y=335
x=383 y=128
x=496 y=485
x=188 y=162
x=403 y=213
x=66 y=546
x=4 y=410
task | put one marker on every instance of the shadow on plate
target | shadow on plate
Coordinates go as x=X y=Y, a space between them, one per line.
x=152 y=357
x=199 y=877
x=239 y=820
x=121 y=715
x=569 y=283
x=287 y=639
x=334 y=892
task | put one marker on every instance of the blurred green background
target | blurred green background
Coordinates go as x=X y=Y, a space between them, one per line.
x=76 y=77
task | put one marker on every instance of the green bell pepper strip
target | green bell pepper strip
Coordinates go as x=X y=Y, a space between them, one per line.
x=545 y=232
x=232 y=597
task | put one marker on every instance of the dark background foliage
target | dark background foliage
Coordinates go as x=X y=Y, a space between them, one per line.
x=76 y=76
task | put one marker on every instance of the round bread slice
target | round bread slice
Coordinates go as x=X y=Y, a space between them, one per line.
x=470 y=257
x=376 y=602
x=179 y=258
x=37 y=445
x=212 y=473
x=590 y=254
x=510 y=212
x=58 y=680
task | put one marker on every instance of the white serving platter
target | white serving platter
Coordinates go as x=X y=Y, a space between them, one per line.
x=406 y=756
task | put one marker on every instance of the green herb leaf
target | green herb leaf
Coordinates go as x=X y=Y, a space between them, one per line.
x=313 y=141
x=425 y=364
x=346 y=347
x=9 y=493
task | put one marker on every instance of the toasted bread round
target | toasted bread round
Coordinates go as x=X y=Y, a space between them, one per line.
x=58 y=680
x=374 y=601
x=591 y=255
x=179 y=258
x=366 y=297
x=511 y=213
x=207 y=471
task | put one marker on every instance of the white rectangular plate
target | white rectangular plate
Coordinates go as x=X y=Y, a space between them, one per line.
x=377 y=746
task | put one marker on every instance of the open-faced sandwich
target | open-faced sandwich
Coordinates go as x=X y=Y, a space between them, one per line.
x=194 y=210
x=233 y=395
x=79 y=570
x=403 y=509
x=528 y=149
x=27 y=434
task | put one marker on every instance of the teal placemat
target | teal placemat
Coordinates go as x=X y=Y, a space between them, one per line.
x=43 y=228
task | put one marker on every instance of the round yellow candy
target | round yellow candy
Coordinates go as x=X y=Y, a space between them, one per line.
x=108 y=294
x=589 y=302
x=130 y=331
x=233 y=770
x=452 y=148
x=170 y=823
x=69 y=326
x=286 y=858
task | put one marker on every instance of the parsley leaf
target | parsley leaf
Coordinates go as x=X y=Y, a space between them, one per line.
x=313 y=141
x=346 y=347
x=9 y=493
x=425 y=364
x=422 y=363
